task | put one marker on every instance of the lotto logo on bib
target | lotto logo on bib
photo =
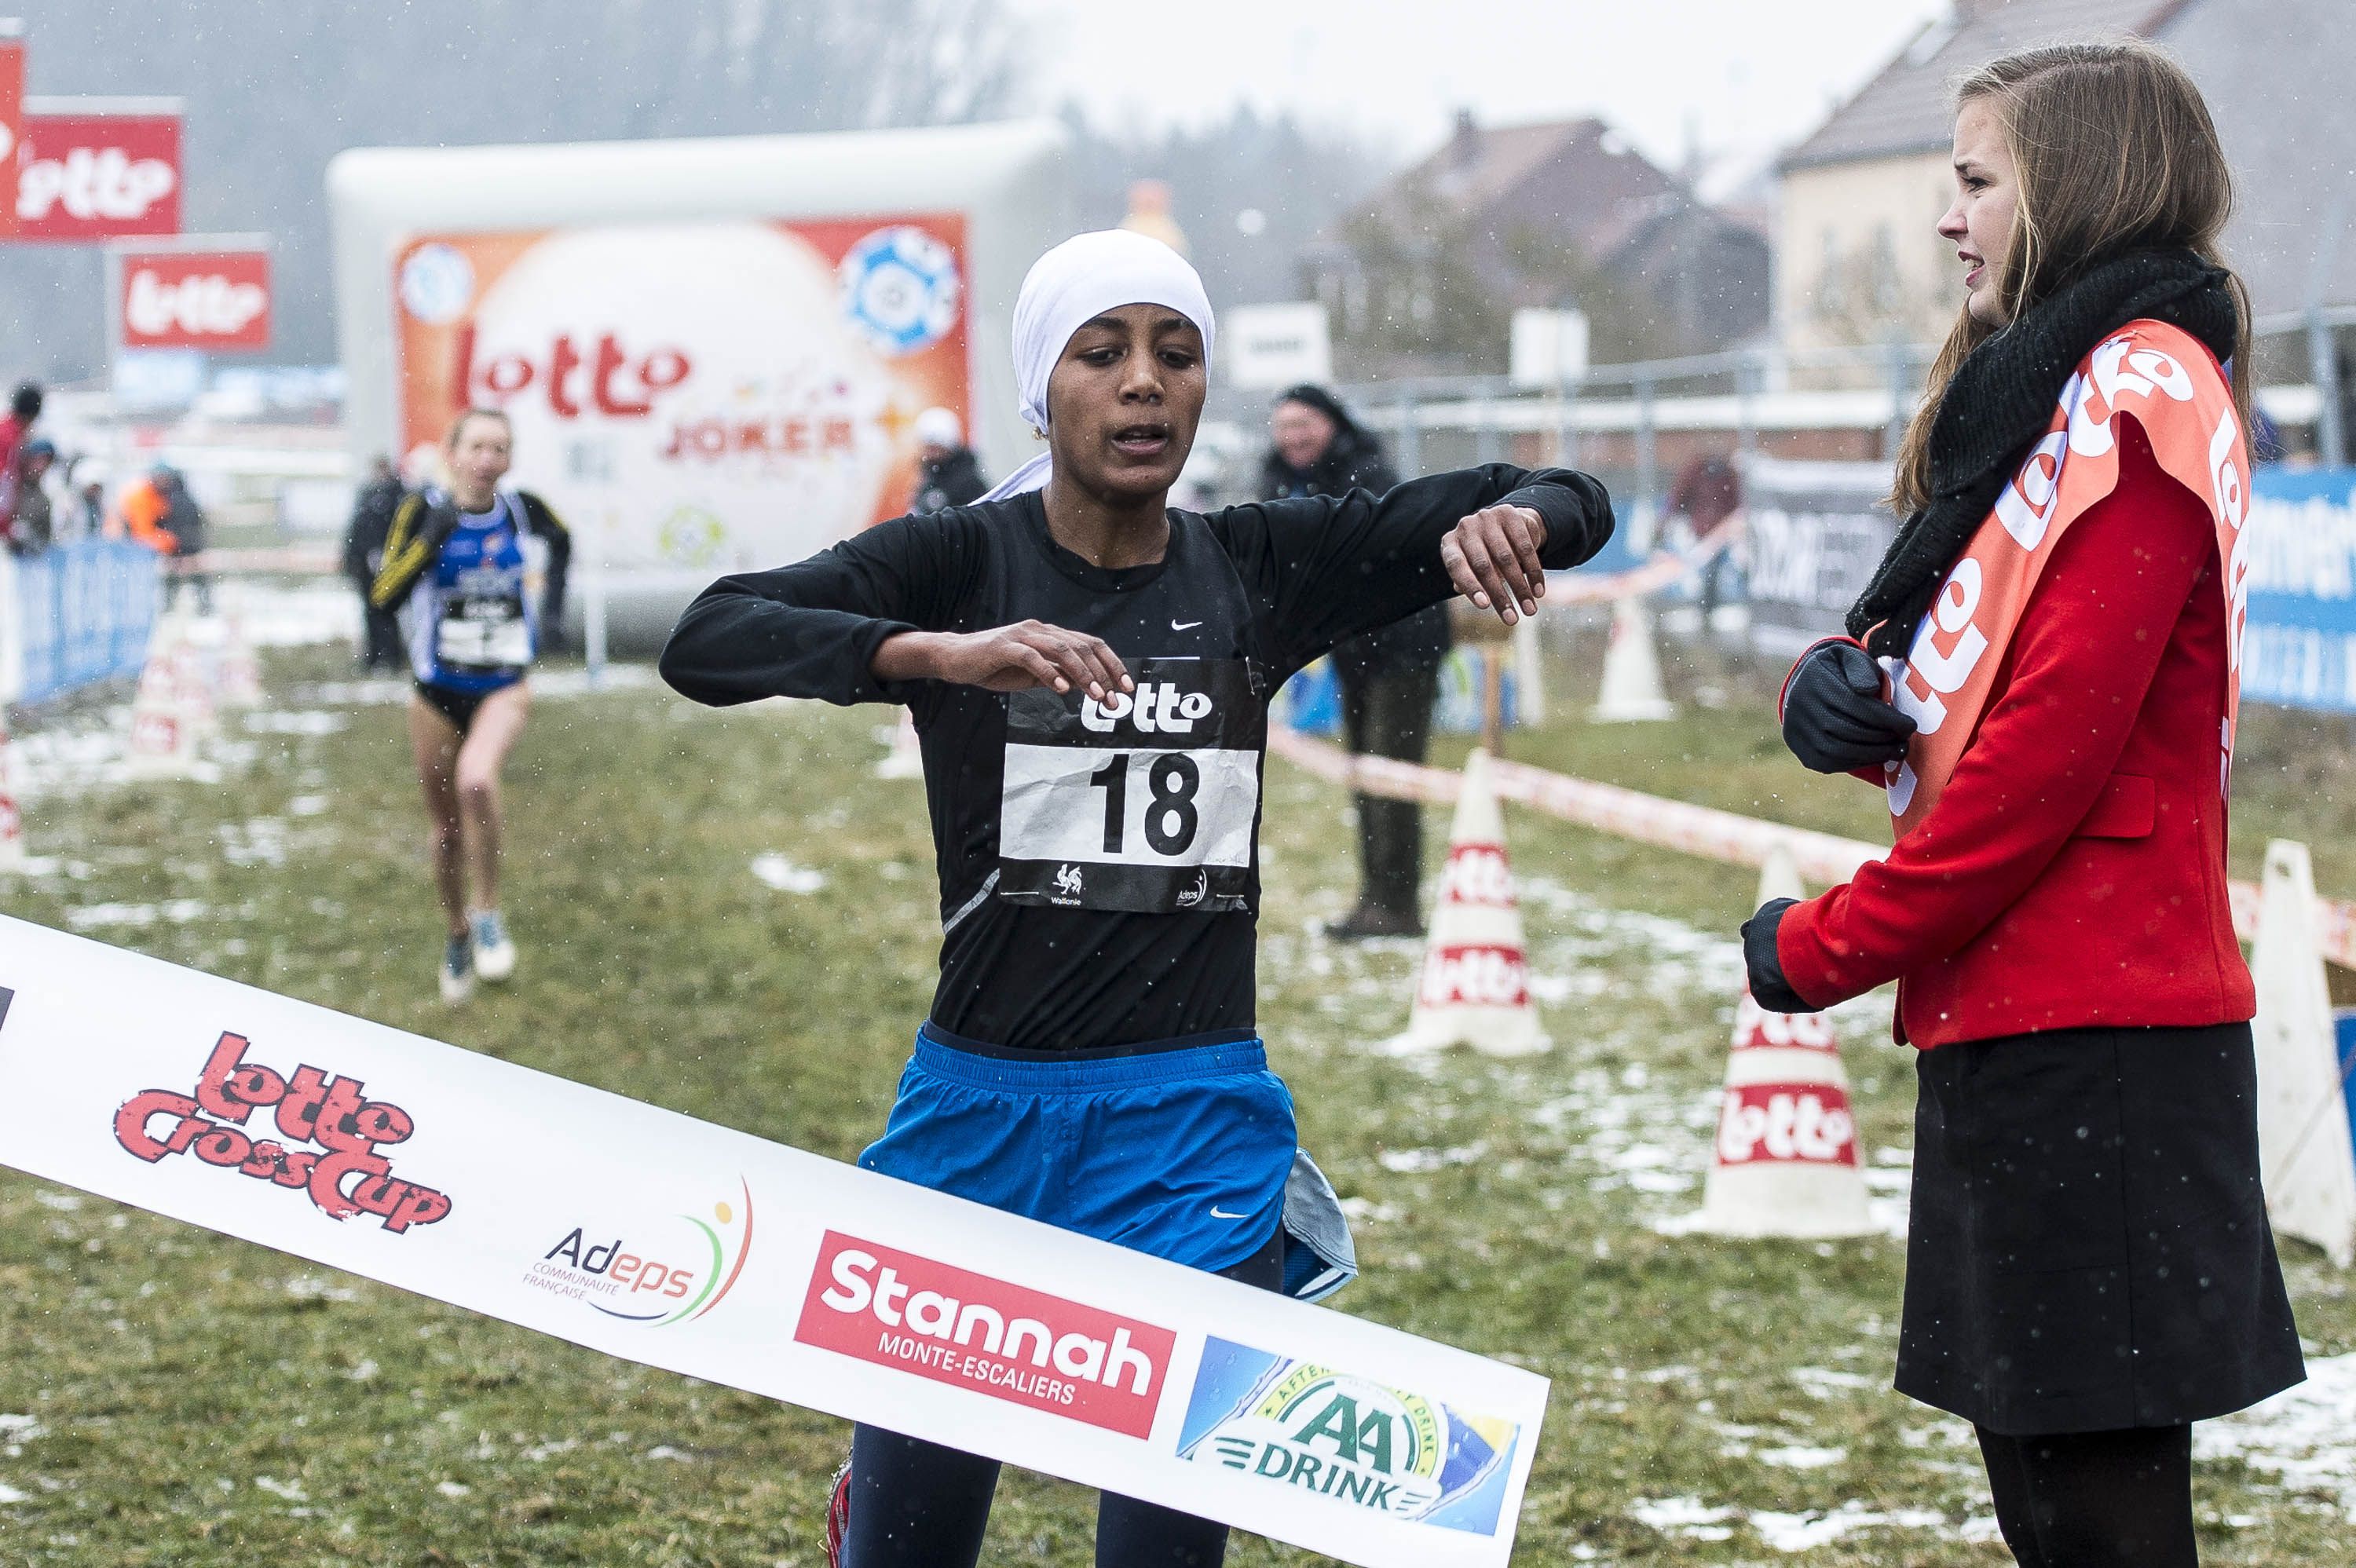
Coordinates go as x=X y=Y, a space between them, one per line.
x=895 y=1309
x=1145 y=802
x=1359 y=1443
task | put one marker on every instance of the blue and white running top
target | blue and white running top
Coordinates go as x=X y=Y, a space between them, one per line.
x=473 y=620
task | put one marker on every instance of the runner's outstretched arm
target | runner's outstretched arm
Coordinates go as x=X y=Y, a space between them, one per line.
x=812 y=629
x=1329 y=567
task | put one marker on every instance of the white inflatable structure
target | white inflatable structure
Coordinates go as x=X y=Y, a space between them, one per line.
x=713 y=351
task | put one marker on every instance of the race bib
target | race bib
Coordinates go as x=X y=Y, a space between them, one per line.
x=1146 y=803
x=483 y=633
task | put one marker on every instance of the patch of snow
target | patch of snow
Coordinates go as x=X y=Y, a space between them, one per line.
x=1689 y=1517
x=311 y=1287
x=297 y=721
x=2305 y=1434
x=96 y=917
x=1801 y=1456
x=776 y=871
x=664 y=1451
x=1422 y=1161
x=64 y=1202
x=1806 y=1531
x=1366 y=1211
x=1821 y=1382
x=290 y=1490
x=9 y=1494
x=307 y=805
x=453 y=1488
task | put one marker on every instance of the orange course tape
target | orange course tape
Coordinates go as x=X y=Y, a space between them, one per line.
x=1692 y=829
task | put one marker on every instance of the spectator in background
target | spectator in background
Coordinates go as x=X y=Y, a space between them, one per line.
x=93 y=510
x=32 y=531
x=23 y=409
x=158 y=512
x=1389 y=677
x=949 y=473
x=372 y=515
x=1708 y=490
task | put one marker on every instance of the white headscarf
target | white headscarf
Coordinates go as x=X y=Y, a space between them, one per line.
x=1070 y=286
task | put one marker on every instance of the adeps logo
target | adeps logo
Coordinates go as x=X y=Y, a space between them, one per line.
x=669 y=1275
x=1358 y=1442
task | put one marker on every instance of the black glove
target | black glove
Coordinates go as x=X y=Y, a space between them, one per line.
x=1768 y=987
x=1834 y=718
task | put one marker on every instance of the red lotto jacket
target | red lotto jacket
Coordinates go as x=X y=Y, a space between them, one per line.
x=2073 y=873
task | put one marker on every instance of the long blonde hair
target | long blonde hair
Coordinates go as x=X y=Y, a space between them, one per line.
x=2115 y=151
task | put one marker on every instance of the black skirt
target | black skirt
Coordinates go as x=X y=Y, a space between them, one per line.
x=2088 y=1249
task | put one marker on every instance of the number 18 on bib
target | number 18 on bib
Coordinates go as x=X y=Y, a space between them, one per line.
x=1145 y=803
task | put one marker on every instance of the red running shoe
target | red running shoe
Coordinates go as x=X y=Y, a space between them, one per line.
x=838 y=1516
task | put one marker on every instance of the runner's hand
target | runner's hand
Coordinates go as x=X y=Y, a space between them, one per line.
x=1493 y=558
x=1019 y=657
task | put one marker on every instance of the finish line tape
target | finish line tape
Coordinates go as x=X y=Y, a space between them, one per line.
x=705 y=1251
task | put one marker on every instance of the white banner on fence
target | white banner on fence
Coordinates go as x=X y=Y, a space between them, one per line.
x=711 y=1253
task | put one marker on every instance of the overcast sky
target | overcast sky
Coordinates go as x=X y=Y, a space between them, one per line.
x=1748 y=76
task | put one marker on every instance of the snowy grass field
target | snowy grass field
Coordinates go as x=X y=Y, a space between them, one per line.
x=726 y=915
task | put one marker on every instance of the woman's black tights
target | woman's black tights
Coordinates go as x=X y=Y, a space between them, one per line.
x=2095 y=1499
x=918 y=1505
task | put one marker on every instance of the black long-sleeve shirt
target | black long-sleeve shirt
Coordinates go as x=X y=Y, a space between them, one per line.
x=1099 y=865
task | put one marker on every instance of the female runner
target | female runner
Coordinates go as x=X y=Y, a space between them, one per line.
x=2089 y=1267
x=1090 y=673
x=477 y=573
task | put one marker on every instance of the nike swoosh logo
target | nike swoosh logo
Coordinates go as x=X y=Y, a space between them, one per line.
x=1184 y=626
x=1219 y=1214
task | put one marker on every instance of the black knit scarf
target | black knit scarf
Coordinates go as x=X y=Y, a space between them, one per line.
x=1999 y=404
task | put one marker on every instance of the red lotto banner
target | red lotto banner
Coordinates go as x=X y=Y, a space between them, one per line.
x=214 y=300
x=11 y=122
x=717 y=1255
x=88 y=174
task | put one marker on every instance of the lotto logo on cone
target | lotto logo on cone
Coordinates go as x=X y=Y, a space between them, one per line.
x=1786 y=1159
x=11 y=825
x=1473 y=989
x=173 y=705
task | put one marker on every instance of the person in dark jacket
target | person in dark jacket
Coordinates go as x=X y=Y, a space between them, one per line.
x=32 y=531
x=948 y=474
x=1389 y=677
x=372 y=514
x=190 y=531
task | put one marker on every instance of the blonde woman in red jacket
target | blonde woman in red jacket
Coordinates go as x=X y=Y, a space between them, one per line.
x=2043 y=675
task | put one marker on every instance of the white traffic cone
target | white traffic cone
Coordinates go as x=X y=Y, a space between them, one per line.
x=1473 y=989
x=1632 y=671
x=12 y=824
x=171 y=706
x=905 y=760
x=240 y=671
x=1785 y=1163
x=2304 y=1148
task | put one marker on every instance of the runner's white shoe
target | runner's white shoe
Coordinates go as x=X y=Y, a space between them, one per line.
x=457 y=970
x=495 y=955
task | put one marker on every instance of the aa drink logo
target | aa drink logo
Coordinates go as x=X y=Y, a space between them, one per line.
x=1025 y=1347
x=330 y=1140
x=671 y=1272
x=1362 y=1443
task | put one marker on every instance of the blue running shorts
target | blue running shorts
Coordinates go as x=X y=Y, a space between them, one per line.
x=1181 y=1150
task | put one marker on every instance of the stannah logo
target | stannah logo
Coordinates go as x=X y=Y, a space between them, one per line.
x=895 y=1309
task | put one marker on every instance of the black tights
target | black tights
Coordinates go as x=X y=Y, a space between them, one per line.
x=2095 y=1499
x=918 y=1505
